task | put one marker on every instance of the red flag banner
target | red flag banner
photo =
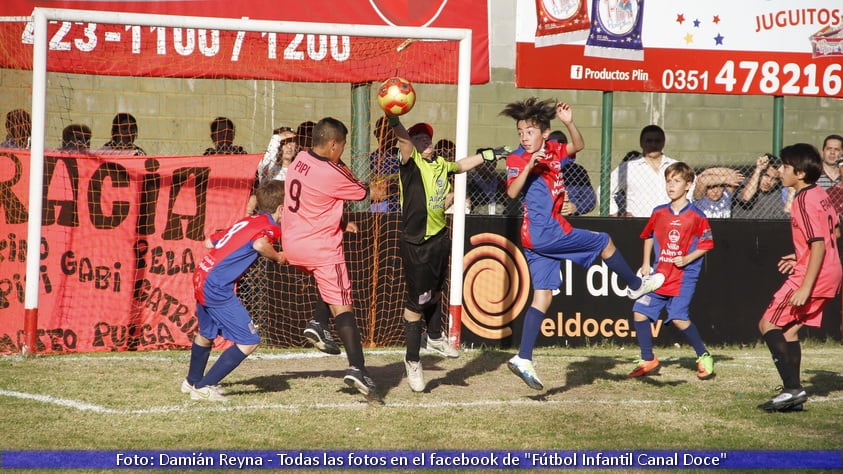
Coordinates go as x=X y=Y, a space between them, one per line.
x=120 y=239
x=187 y=52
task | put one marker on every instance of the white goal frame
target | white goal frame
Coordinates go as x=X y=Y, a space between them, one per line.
x=42 y=16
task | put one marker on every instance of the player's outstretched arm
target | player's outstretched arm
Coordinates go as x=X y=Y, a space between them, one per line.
x=566 y=116
x=405 y=144
x=485 y=155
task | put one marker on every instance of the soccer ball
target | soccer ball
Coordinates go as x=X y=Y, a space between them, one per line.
x=396 y=96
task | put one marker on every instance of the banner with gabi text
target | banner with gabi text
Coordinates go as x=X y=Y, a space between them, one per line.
x=120 y=239
x=714 y=47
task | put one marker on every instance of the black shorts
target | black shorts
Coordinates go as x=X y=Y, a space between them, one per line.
x=425 y=267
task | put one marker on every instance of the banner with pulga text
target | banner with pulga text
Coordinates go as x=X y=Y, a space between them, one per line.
x=186 y=52
x=120 y=239
x=714 y=47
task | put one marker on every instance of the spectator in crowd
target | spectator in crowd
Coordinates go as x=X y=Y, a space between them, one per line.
x=831 y=152
x=76 y=138
x=304 y=135
x=383 y=165
x=715 y=188
x=835 y=193
x=124 y=132
x=18 y=129
x=279 y=154
x=760 y=197
x=579 y=197
x=222 y=134
x=273 y=166
x=640 y=181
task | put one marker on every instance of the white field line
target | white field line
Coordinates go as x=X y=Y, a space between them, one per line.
x=225 y=407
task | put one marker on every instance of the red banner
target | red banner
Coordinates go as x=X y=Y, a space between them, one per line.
x=171 y=52
x=712 y=47
x=120 y=239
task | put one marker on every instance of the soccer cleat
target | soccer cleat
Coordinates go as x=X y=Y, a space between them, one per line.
x=649 y=284
x=793 y=408
x=523 y=368
x=415 y=375
x=645 y=367
x=186 y=387
x=321 y=338
x=441 y=346
x=705 y=366
x=788 y=398
x=209 y=392
x=360 y=380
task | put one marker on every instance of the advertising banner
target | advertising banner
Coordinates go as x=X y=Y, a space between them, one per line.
x=121 y=237
x=715 y=47
x=184 y=52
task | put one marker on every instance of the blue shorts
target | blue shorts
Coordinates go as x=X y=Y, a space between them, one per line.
x=579 y=246
x=652 y=304
x=230 y=320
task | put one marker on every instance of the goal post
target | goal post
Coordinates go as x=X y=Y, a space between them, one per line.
x=42 y=64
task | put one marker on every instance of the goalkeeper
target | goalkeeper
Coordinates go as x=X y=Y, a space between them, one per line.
x=425 y=245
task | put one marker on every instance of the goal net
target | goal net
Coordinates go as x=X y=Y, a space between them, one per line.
x=146 y=136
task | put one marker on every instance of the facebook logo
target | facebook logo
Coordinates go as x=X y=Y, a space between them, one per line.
x=576 y=71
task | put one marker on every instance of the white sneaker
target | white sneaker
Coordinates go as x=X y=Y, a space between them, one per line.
x=649 y=284
x=209 y=392
x=415 y=375
x=441 y=346
x=524 y=369
x=186 y=387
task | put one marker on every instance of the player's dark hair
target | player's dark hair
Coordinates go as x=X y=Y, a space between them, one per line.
x=540 y=112
x=833 y=136
x=124 y=125
x=682 y=169
x=328 y=129
x=803 y=157
x=269 y=196
x=652 y=138
x=559 y=136
x=76 y=137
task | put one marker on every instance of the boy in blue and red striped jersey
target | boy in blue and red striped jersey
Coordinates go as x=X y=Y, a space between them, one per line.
x=678 y=235
x=814 y=272
x=535 y=170
x=218 y=309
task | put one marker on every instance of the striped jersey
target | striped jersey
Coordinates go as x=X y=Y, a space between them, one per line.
x=812 y=218
x=544 y=193
x=675 y=235
x=233 y=253
x=314 y=195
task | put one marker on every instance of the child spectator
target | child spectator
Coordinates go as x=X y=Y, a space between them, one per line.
x=760 y=196
x=76 y=138
x=218 y=309
x=222 y=134
x=535 y=170
x=18 y=129
x=677 y=236
x=714 y=190
x=124 y=132
x=813 y=271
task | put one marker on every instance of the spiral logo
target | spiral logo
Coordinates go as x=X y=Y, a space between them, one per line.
x=496 y=286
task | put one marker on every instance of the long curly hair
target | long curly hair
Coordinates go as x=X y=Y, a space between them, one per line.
x=540 y=112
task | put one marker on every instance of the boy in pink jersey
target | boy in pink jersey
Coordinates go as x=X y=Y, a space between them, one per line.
x=814 y=273
x=678 y=236
x=218 y=310
x=318 y=184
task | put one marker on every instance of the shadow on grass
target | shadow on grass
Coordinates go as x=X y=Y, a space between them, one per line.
x=823 y=382
x=485 y=361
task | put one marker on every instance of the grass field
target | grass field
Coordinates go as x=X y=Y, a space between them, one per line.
x=285 y=400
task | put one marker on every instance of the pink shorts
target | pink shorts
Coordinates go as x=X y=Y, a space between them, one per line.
x=781 y=313
x=332 y=281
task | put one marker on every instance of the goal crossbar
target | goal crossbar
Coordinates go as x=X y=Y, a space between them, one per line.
x=42 y=16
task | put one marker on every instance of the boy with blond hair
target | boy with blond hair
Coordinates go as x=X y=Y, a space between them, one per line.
x=678 y=236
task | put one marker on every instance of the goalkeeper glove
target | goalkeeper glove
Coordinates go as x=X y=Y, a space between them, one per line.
x=493 y=154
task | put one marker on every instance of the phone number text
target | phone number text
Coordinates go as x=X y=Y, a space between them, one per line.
x=769 y=77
